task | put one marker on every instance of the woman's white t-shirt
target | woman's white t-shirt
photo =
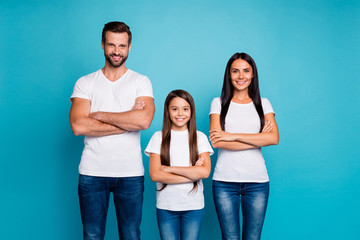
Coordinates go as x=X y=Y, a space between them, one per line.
x=179 y=197
x=244 y=165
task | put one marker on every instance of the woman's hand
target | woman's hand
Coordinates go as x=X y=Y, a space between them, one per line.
x=217 y=135
x=200 y=161
x=267 y=127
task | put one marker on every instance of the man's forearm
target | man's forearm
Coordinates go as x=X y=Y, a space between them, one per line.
x=133 y=120
x=93 y=128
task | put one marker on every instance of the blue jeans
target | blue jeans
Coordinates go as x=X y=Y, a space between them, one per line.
x=175 y=225
x=94 y=194
x=253 y=198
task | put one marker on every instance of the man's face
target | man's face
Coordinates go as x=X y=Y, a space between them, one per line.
x=116 y=48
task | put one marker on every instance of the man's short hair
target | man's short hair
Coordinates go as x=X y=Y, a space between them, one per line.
x=116 y=27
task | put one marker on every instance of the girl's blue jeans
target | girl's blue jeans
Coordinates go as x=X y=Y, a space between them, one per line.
x=175 y=225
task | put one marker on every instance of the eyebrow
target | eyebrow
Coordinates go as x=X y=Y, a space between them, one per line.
x=179 y=106
x=239 y=69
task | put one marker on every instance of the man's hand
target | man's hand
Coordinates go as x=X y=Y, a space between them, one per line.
x=139 y=105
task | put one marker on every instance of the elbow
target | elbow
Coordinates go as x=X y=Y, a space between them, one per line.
x=215 y=145
x=145 y=124
x=274 y=141
x=77 y=129
x=205 y=173
x=153 y=177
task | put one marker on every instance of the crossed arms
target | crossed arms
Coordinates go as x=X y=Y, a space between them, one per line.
x=98 y=124
x=242 y=141
x=174 y=175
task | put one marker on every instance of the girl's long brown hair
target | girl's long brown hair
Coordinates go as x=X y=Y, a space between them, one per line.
x=166 y=131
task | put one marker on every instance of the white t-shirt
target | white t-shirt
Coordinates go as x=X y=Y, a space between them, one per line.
x=177 y=197
x=245 y=165
x=115 y=155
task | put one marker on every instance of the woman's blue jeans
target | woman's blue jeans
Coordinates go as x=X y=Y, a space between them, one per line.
x=94 y=194
x=253 y=198
x=175 y=225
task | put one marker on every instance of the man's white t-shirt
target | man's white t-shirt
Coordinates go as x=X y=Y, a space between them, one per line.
x=179 y=197
x=245 y=165
x=115 y=155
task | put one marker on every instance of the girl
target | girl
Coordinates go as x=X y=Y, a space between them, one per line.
x=179 y=159
x=240 y=124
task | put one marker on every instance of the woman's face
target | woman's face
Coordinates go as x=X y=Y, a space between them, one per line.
x=241 y=74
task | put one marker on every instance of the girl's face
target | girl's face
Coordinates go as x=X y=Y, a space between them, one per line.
x=241 y=74
x=180 y=113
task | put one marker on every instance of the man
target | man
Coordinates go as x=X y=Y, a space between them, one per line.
x=110 y=107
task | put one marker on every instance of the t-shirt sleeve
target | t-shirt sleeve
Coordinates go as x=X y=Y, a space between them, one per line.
x=144 y=88
x=267 y=106
x=154 y=145
x=215 y=106
x=203 y=144
x=81 y=89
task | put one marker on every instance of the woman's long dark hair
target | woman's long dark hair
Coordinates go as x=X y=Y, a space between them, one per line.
x=228 y=89
x=166 y=131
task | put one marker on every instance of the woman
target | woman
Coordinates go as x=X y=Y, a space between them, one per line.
x=241 y=122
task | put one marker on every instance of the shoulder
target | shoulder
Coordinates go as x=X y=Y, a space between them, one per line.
x=216 y=100
x=156 y=138
x=215 y=107
x=137 y=76
x=89 y=78
x=157 y=134
x=267 y=107
x=265 y=101
x=201 y=135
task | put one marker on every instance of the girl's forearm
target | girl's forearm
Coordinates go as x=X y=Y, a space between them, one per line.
x=169 y=178
x=194 y=173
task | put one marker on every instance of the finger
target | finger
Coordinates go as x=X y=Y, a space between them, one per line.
x=214 y=131
x=214 y=135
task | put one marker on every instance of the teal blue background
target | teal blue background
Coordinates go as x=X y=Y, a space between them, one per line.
x=307 y=53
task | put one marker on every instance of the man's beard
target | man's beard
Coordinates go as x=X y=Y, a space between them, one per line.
x=115 y=64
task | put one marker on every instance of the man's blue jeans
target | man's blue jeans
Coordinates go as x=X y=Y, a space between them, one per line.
x=175 y=225
x=253 y=198
x=94 y=194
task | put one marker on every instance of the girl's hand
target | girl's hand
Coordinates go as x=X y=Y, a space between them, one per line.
x=217 y=135
x=200 y=161
x=267 y=127
x=165 y=168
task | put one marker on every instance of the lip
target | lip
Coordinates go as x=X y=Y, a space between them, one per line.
x=180 y=119
x=241 y=82
x=116 y=58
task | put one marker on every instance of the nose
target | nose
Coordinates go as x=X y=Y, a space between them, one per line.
x=241 y=75
x=117 y=50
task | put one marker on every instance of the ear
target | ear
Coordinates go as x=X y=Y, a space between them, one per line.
x=102 y=45
x=129 y=47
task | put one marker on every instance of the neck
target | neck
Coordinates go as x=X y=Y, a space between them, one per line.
x=114 y=73
x=241 y=95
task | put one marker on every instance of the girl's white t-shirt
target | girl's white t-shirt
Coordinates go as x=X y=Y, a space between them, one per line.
x=179 y=197
x=244 y=165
